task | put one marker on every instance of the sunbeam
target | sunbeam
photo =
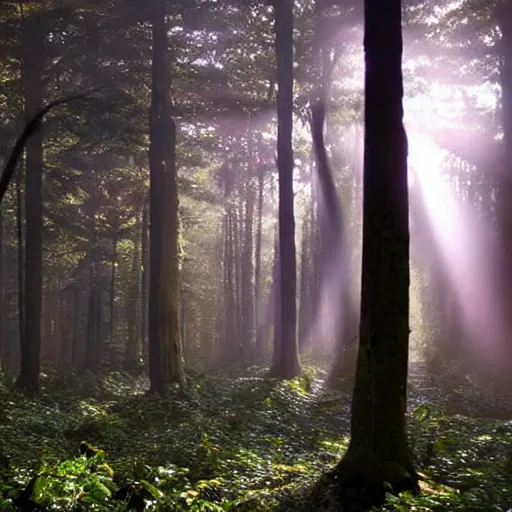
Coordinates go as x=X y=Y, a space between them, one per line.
x=466 y=245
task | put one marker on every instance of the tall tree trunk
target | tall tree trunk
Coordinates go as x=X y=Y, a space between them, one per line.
x=75 y=354
x=287 y=365
x=248 y=338
x=183 y=320
x=112 y=304
x=132 y=347
x=32 y=51
x=144 y=284
x=66 y=326
x=257 y=270
x=237 y=316
x=230 y=290
x=94 y=309
x=305 y=282
x=275 y=304
x=94 y=321
x=225 y=278
x=57 y=327
x=336 y=255
x=378 y=455
x=20 y=246
x=165 y=351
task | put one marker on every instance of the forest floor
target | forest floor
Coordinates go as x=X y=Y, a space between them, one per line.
x=241 y=442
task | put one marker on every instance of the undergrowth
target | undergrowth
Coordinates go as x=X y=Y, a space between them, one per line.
x=246 y=443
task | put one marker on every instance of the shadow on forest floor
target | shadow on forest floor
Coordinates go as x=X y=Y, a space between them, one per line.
x=242 y=443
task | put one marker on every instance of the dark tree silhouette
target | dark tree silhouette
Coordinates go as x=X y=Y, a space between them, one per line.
x=165 y=354
x=30 y=346
x=378 y=452
x=286 y=359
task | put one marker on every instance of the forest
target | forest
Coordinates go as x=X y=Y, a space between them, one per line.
x=255 y=255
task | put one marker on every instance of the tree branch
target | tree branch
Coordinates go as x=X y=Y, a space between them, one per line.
x=30 y=129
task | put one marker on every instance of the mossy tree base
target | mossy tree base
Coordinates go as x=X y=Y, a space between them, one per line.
x=362 y=481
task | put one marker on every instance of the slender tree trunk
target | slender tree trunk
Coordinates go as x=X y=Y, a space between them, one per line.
x=287 y=365
x=230 y=299
x=66 y=326
x=227 y=282
x=310 y=265
x=235 y=226
x=21 y=256
x=336 y=255
x=378 y=455
x=257 y=270
x=94 y=321
x=144 y=285
x=51 y=307
x=305 y=282
x=165 y=351
x=75 y=355
x=132 y=348
x=247 y=277
x=183 y=320
x=94 y=310
x=57 y=322
x=112 y=305
x=33 y=44
x=275 y=303
x=225 y=276
x=317 y=249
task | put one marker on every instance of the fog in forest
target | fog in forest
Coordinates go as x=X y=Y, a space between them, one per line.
x=255 y=255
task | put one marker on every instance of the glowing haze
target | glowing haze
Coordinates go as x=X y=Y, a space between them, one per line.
x=446 y=117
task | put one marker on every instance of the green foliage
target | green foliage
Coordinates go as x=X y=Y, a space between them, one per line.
x=81 y=483
x=242 y=442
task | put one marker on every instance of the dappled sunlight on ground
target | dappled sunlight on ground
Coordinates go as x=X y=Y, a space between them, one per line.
x=258 y=443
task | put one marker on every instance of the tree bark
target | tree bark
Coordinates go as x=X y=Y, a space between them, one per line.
x=165 y=351
x=21 y=258
x=275 y=307
x=257 y=270
x=230 y=290
x=33 y=56
x=94 y=309
x=94 y=321
x=144 y=285
x=305 y=282
x=504 y=181
x=378 y=452
x=237 y=260
x=287 y=364
x=112 y=305
x=66 y=326
x=75 y=355
x=248 y=338
x=132 y=347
